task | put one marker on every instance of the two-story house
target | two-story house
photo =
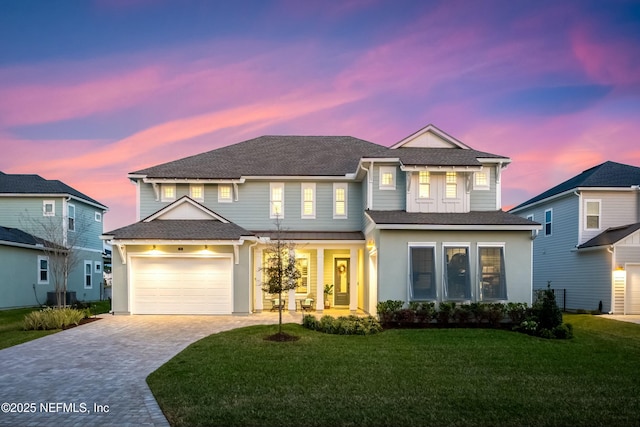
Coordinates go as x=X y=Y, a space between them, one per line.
x=419 y=221
x=590 y=240
x=39 y=220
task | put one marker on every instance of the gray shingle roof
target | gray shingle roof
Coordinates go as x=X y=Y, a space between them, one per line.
x=180 y=229
x=273 y=155
x=441 y=156
x=468 y=218
x=302 y=156
x=35 y=184
x=312 y=235
x=610 y=236
x=15 y=235
x=607 y=174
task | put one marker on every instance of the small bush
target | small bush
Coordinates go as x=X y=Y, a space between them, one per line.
x=445 y=312
x=546 y=310
x=563 y=332
x=462 y=313
x=495 y=313
x=425 y=311
x=388 y=310
x=517 y=312
x=343 y=325
x=53 y=318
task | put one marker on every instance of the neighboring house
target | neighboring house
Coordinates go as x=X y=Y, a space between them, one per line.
x=590 y=240
x=35 y=215
x=420 y=221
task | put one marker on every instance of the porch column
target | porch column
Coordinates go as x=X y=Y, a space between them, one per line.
x=353 y=280
x=257 y=277
x=320 y=280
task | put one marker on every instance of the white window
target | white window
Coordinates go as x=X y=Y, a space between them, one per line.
x=48 y=208
x=168 y=192
x=97 y=267
x=457 y=277
x=340 y=200
x=387 y=178
x=481 y=180
x=592 y=215
x=422 y=273
x=548 y=220
x=302 y=262
x=424 y=185
x=98 y=216
x=88 y=275
x=308 y=200
x=451 y=189
x=493 y=285
x=71 y=213
x=224 y=193
x=196 y=192
x=530 y=217
x=43 y=270
x=277 y=199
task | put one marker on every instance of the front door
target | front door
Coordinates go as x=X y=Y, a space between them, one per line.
x=341 y=281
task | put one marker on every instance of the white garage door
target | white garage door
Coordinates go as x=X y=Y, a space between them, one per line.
x=633 y=289
x=181 y=285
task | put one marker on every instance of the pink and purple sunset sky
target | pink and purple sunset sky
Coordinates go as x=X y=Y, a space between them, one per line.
x=92 y=90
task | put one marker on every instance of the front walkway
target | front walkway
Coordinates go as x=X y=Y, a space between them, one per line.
x=632 y=318
x=95 y=374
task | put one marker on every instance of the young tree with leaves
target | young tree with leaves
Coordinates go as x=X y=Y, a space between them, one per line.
x=280 y=269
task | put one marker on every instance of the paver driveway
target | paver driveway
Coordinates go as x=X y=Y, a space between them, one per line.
x=101 y=363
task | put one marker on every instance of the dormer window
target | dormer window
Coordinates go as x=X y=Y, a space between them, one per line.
x=451 y=190
x=424 y=185
x=387 y=178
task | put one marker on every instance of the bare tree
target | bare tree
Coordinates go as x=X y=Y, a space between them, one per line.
x=60 y=245
x=280 y=269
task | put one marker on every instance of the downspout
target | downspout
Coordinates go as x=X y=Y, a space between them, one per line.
x=252 y=276
x=580 y=217
x=369 y=184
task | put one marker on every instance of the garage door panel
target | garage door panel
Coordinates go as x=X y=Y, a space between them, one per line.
x=181 y=285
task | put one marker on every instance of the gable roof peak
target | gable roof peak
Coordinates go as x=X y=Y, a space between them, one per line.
x=430 y=136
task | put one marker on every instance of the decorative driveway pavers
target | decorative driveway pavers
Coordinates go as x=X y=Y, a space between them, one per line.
x=95 y=374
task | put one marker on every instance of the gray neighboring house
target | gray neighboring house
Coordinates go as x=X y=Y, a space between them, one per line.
x=26 y=201
x=419 y=221
x=590 y=240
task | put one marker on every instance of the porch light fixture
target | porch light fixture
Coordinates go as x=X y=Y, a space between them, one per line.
x=620 y=267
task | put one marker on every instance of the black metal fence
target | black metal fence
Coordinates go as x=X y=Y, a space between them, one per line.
x=559 y=293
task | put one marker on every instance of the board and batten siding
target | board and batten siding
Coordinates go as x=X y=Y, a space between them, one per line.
x=393 y=260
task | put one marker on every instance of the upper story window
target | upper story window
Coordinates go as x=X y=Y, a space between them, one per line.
x=98 y=216
x=72 y=217
x=276 y=201
x=592 y=214
x=451 y=185
x=548 y=219
x=424 y=185
x=43 y=270
x=48 y=208
x=196 y=192
x=387 y=178
x=224 y=193
x=168 y=192
x=340 y=200
x=309 y=200
x=481 y=180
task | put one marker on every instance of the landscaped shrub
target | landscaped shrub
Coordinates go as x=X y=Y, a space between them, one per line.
x=445 y=312
x=517 y=312
x=388 y=310
x=545 y=309
x=54 y=318
x=425 y=311
x=495 y=313
x=343 y=325
x=462 y=313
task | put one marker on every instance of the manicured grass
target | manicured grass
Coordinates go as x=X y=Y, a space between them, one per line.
x=454 y=377
x=11 y=332
x=11 y=321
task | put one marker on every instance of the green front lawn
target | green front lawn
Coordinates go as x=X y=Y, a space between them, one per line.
x=439 y=377
x=11 y=332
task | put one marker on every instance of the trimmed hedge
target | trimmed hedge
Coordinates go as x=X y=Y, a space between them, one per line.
x=343 y=325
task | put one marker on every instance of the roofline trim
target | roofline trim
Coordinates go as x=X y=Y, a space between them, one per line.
x=56 y=195
x=449 y=227
x=434 y=129
x=189 y=242
x=571 y=191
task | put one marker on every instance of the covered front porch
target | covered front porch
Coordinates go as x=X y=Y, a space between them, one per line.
x=334 y=265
